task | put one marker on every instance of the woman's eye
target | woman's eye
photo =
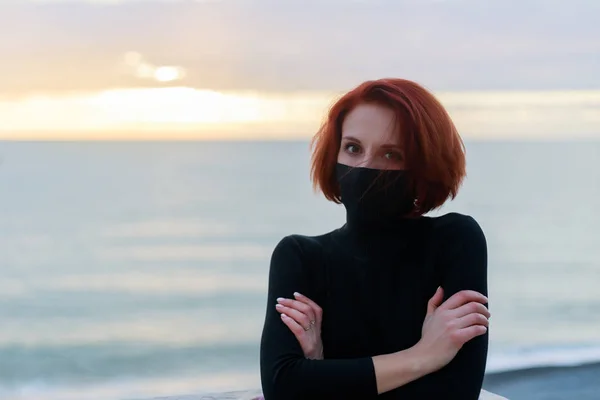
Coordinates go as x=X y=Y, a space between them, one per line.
x=352 y=148
x=392 y=156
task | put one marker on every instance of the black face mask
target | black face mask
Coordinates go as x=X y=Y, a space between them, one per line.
x=373 y=196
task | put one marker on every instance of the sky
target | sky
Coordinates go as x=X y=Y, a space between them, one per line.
x=72 y=64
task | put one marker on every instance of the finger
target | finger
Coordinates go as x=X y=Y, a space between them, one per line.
x=436 y=300
x=470 y=308
x=296 y=315
x=463 y=297
x=316 y=308
x=298 y=305
x=462 y=336
x=296 y=329
x=472 y=319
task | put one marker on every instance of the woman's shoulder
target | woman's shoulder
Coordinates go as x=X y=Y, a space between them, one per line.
x=299 y=254
x=456 y=226
x=304 y=244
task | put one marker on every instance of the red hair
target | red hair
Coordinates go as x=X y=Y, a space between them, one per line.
x=433 y=150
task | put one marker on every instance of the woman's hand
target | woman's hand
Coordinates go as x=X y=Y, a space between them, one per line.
x=303 y=316
x=449 y=325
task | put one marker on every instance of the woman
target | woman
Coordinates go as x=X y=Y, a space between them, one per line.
x=392 y=304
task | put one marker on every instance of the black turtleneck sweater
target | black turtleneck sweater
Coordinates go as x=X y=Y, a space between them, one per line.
x=373 y=286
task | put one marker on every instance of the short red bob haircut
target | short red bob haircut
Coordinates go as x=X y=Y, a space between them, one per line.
x=434 y=153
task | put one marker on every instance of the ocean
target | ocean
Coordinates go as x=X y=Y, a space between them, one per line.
x=132 y=270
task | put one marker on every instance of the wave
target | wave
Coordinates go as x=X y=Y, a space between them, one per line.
x=100 y=363
x=126 y=371
x=541 y=357
x=134 y=388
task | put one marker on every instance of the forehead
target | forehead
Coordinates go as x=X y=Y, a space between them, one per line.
x=371 y=122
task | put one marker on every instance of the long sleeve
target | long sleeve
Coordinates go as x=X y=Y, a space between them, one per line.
x=285 y=373
x=463 y=266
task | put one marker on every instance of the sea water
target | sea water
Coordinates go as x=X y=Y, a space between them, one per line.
x=134 y=270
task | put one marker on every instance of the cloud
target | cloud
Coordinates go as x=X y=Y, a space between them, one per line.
x=140 y=68
x=300 y=45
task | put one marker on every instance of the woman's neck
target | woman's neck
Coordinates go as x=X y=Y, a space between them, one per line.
x=376 y=226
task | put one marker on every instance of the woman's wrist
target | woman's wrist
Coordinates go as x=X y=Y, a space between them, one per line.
x=423 y=359
x=397 y=369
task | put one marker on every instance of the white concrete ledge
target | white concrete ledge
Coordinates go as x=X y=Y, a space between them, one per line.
x=256 y=395
x=239 y=395
x=485 y=395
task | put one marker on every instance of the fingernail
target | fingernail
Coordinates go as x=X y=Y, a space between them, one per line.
x=280 y=299
x=283 y=316
x=278 y=306
x=297 y=294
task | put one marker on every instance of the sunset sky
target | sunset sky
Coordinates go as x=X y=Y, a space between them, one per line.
x=238 y=68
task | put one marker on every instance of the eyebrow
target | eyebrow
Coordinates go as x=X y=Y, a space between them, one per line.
x=384 y=146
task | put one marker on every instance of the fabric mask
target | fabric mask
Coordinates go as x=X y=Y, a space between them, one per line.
x=374 y=196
